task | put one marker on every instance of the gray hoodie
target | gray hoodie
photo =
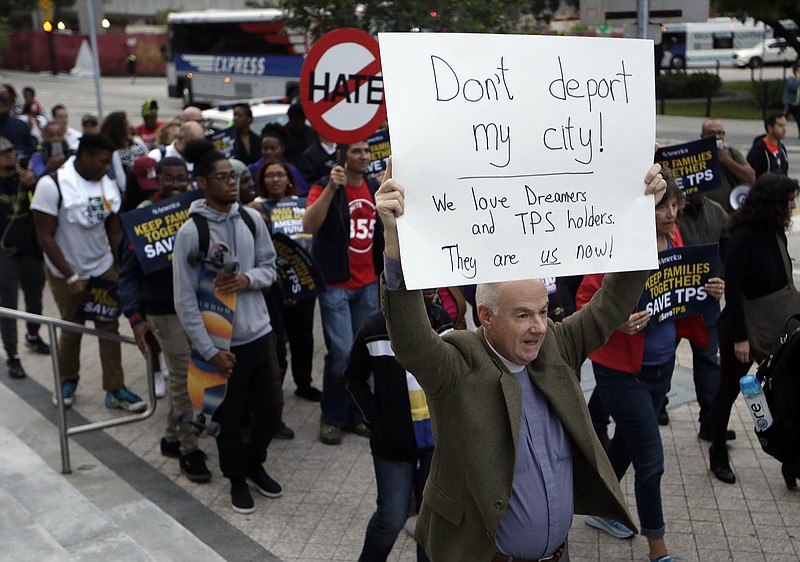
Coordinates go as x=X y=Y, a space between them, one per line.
x=256 y=259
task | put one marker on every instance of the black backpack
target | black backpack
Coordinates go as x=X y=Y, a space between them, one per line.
x=203 y=236
x=780 y=377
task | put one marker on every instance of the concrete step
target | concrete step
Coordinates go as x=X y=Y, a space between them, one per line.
x=63 y=524
x=91 y=514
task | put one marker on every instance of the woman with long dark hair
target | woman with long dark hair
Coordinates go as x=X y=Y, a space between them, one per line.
x=128 y=146
x=754 y=267
x=275 y=183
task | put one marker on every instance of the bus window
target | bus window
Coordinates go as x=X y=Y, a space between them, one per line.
x=722 y=40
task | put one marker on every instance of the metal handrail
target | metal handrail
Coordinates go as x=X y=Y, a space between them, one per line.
x=64 y=430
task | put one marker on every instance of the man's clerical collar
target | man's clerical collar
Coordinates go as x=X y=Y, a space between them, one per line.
x=513 y=368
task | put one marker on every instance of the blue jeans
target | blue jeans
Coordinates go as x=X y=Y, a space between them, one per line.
x=396 y=481
x=633 y=401
x=705 y=368
x=343 y=312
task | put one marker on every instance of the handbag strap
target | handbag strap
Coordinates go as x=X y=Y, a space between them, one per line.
x=786 y=260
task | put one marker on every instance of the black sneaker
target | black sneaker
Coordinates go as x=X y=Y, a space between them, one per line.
x=193 y=466
x=241 y=500
x=284 y=432
x=14 y=367
x=171 y=449
x=309 y=393
x=37 y=345
x=266 y=486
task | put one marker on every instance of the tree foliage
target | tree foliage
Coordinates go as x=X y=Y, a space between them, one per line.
x=773 y=13
x=320 y=16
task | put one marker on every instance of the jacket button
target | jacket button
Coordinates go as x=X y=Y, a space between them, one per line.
x=499 y=504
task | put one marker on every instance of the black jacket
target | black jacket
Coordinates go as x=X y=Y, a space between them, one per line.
x=332 y=241
x=387 y=409
x=17 y=234
x=762 y=160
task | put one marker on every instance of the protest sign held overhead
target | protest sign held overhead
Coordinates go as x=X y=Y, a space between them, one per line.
x=694 y=165
x=676 y=289
x=152 y=229
x=341 y=86
x=522 y=156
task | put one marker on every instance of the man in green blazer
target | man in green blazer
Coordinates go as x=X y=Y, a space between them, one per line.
x=516 y=454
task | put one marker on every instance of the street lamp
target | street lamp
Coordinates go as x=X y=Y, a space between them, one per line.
x=105 y=23
x=61 y=26
x=48 y=29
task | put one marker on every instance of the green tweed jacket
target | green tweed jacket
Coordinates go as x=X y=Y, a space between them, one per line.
x=476 y=404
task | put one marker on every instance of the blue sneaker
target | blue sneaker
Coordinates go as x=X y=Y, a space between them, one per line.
x=68 y=391
x=613 y=528
x=666 y=558
x=124 y=399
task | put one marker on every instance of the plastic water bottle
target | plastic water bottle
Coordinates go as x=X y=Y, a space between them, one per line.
x=756 y=401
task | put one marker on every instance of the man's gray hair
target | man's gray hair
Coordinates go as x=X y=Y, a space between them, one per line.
x=489 y=295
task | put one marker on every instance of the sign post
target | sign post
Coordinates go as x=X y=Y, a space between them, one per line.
x=341 y=86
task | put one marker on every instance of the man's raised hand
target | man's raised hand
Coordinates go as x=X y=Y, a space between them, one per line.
x=390 y=200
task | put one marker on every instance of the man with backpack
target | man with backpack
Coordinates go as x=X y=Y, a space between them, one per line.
x=75 y=215
x=253 y=395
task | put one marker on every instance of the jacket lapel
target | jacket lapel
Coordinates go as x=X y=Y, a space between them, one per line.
x=511 y=391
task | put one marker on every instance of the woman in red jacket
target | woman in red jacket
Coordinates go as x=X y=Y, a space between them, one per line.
x=633 y=373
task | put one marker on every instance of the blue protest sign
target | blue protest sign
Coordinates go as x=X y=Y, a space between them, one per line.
x=152 y=229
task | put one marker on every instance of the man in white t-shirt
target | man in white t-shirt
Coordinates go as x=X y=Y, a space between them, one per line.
x=74 y=212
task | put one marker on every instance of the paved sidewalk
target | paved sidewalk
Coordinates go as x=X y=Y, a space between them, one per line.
x=329 y=491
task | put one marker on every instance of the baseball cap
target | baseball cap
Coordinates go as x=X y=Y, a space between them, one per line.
x=149 y=106
x=5 y=145
x=144 y=168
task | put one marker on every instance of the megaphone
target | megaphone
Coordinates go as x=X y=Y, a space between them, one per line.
x=738 y=195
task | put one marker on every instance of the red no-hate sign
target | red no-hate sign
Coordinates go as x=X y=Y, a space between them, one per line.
x=341 y=86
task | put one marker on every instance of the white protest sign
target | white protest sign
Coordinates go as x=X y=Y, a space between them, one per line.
x=522 y=156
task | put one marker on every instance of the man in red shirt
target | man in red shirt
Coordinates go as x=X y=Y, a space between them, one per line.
x=149 y=127
x=348 y=248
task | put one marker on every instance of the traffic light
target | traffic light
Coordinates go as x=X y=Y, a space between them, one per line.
x=47 y=26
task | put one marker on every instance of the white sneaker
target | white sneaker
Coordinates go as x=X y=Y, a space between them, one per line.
x=161 y=386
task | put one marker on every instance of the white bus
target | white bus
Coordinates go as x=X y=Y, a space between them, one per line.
x=219 y=55
x=703 y=44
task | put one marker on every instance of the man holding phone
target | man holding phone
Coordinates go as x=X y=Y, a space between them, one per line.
x=348 y=248
x=53 y=153
x=20 y=257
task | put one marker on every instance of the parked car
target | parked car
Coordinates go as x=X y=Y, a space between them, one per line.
x=264 y=111
x=774 y=51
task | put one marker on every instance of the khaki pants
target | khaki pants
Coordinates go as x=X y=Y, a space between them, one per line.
x=69 y=342
x=177 y=348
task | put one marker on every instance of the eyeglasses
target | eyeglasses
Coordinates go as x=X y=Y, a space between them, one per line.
x=274 y=175
x=224 y=176
x=174 y=179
